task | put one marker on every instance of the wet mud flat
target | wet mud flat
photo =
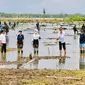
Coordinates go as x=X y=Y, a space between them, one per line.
x=41 y=77
x=47 y=48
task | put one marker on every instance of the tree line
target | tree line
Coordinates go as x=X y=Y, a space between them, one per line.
x=61 y=15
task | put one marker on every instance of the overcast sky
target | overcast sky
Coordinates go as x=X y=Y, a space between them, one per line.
x=36 y=6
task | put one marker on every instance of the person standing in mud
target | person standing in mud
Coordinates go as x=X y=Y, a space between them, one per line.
x=38 y=27
x=82 y=42
x=3 y=41
x=14 y=25
x=6 y=27
x=83 y=27
x=20 y=42
x=35 y=41
x=60 y=37
x=9 y=23
x=75 y=30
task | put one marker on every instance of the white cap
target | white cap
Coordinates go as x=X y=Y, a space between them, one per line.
x=36 y=31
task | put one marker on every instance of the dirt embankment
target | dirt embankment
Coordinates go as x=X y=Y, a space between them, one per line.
x=41 y=77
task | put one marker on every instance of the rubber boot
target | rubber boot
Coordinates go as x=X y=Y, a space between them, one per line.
x=21 y=52
x=34 y=53
x=30 y=56
x=81 y=51
x=18 y=51
x=37 y=52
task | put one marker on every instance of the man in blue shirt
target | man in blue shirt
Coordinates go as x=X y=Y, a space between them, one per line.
x=20 y=41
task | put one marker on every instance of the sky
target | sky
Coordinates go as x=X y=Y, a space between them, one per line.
x=37 y=6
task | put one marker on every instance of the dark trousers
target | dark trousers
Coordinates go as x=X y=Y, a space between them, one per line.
x=3 y=48
x=35 y=43
x=62 y=45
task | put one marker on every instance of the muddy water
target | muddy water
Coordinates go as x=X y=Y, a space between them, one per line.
x=72 y=52
x=72 y=48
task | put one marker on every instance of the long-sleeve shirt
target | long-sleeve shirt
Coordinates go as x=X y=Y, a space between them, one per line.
x=61 y=36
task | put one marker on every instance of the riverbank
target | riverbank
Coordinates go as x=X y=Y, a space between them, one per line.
x=41 y=77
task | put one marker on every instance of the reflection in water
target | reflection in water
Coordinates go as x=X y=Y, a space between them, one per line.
x=61 y=62
x=82 y=61
x=35 y=63
x=7 y=40
x=18 y=60
x=3 y=57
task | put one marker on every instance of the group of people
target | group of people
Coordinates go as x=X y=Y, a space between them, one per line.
x=76 y=30
x=20 y=41
x=62 y=43
x=4 y=26
x=35 y=41
x=82 y=37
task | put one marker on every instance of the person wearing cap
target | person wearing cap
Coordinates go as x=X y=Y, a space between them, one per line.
x=82 y=41
x=20 y=41
x=3 y=41
x=60 y=37
x=35 y=41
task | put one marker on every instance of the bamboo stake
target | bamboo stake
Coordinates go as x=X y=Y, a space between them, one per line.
x=69 y=78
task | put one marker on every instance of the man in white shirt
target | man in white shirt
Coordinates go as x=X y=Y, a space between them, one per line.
x=61 y=36
x=3 y=41
x=35 y=40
